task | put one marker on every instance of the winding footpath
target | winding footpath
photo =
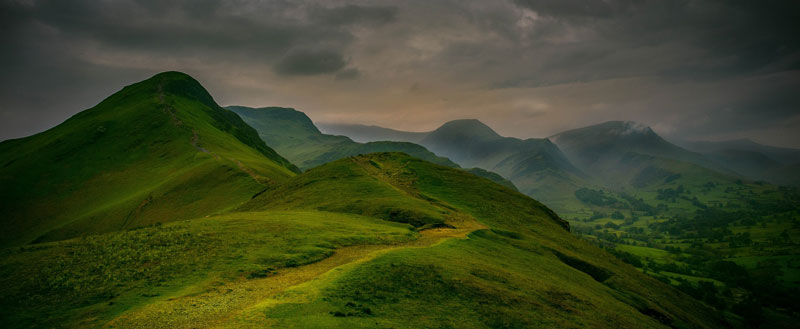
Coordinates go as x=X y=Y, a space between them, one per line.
x=241 y=303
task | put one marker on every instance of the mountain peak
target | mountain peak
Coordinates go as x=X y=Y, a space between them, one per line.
x=473 y=128
x=623 y=128
x=605 y=130
x=174 y=83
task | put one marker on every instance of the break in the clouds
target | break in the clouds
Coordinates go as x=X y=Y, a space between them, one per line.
x=530 y=68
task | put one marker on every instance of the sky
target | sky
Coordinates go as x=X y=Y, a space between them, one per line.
x=697 y=70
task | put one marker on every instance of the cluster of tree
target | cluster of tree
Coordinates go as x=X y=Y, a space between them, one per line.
x=639 y=204
x=710 y=233
x=597 y=198
x=670 y=194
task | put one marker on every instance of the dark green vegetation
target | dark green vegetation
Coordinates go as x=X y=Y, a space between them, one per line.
x=732 y=245
x=294 y=136
x=159 y=150
x=186 y=219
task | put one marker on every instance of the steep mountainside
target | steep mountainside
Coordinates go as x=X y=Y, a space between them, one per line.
x=492 y=176
x=605 y=152
x=294 y=136
x=158 y=150
x=595 y=148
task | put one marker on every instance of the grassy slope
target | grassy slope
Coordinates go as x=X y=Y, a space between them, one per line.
x=293 y=135
x=152 y=152
x=89 y=281
x=492 y=177
x=545 y=278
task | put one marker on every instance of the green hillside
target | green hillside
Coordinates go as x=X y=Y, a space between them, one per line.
x=158 y=150
x=476 y=255
x=492 y=177
x=294 y=136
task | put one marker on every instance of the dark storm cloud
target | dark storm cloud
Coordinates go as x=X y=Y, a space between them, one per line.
x=574 y=8
x=310 y=62
x=232 y=30
x=707 y=39
x=352 y=14
x=694 y=68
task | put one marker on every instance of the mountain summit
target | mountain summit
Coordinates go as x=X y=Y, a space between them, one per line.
x=594 y=147
x=146 y=154
x=464 y=129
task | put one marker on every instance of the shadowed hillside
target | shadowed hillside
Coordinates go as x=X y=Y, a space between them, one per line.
x=294 y=136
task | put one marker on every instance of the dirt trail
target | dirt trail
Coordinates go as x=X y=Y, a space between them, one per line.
x=238 y=303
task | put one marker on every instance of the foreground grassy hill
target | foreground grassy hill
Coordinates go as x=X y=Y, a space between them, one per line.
x=294 y=136
x=88 y=282
x=378 y=240
x=158 y=150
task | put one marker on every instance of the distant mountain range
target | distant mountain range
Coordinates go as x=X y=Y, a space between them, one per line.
x=365 y=133
x=293 y=135
x=588 y=156
x=777 y=165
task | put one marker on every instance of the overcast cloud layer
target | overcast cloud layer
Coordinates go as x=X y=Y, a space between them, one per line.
x=529 y=68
